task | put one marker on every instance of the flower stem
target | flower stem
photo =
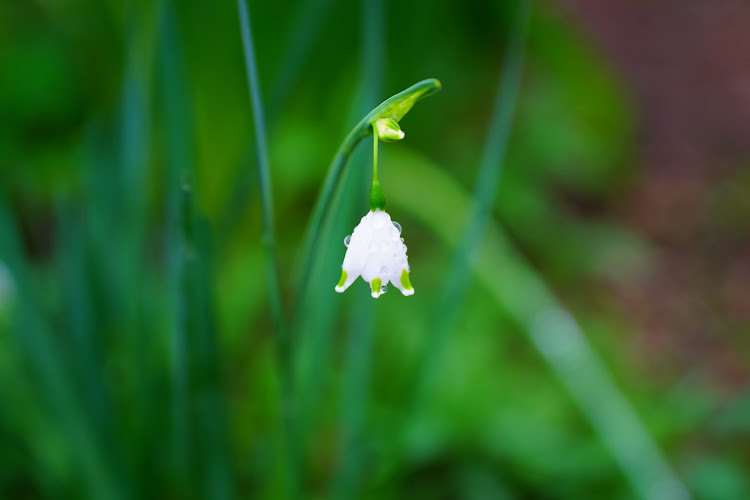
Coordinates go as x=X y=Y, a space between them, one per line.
x=374 y=156
x=377 y=197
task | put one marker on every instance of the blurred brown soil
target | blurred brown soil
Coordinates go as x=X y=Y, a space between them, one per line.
x=687 y=65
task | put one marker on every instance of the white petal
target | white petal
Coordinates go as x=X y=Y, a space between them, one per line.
x=402 y=283
x=346 y=280
x=376 y=251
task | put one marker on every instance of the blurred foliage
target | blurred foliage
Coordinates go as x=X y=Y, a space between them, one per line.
x=136 y=352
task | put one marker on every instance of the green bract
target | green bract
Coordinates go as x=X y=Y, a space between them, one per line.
x=400 y=104
x=397 y=106
x=383 y=121
x=388 y=130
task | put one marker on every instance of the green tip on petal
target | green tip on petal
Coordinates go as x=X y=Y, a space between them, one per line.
x=375 y=285
x=406 y=282
x=342 y=281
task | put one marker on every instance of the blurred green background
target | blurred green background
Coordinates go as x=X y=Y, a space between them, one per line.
x=580 y=323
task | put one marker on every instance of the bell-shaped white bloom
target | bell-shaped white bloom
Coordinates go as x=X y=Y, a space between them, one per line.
x=376 y=252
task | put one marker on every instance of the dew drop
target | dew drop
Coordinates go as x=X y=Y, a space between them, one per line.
x=383 y=288
x=402 y=240
x=347 y=240
x=397 y=226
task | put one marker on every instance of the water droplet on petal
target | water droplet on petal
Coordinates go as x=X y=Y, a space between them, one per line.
x=402 y=240
x=383 y=288
x=397 y=226
x=348 y=239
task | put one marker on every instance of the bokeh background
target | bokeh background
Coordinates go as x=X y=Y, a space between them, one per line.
x=584 y=335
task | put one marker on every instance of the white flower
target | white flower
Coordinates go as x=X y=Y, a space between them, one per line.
x=378 y=254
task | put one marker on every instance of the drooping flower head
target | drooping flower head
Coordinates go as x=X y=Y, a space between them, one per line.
x=376 y=252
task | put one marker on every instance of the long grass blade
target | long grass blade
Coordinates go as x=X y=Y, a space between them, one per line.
x=283 y=342
x=264 y=170
x=179 y=170
x=307 y=26
x=484 y=193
